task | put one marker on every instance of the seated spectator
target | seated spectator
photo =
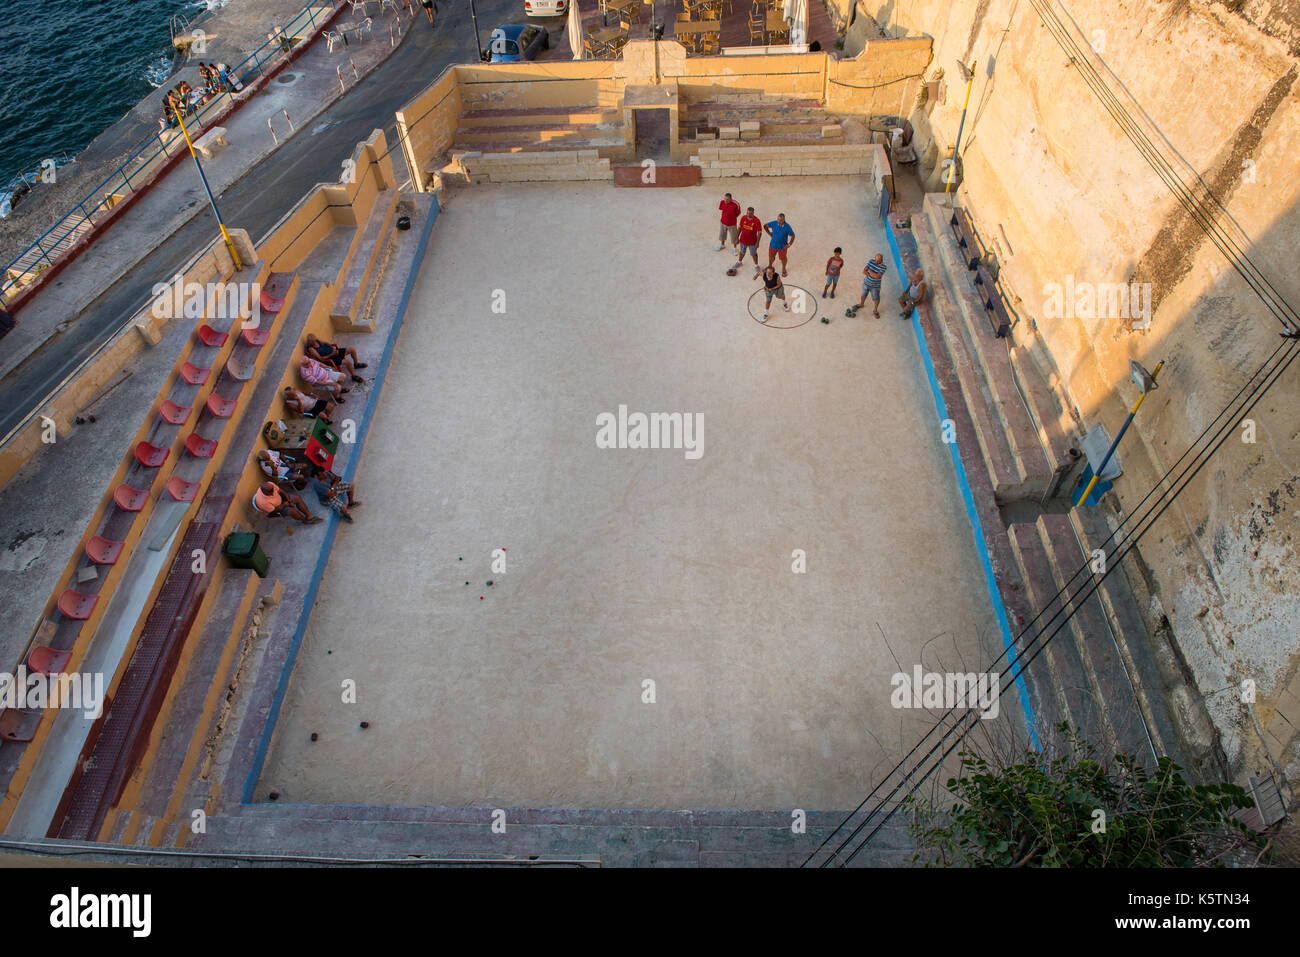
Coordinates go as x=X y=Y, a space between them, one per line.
x=280 y=467
x=272 y=501
x=304 y=403
x=335 y=356
x=333 y=492
x=322 y=376
x=913 y=295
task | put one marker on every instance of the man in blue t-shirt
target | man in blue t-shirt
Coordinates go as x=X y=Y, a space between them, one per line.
x=782 y=238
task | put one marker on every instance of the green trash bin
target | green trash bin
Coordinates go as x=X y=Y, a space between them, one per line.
x=244 y=550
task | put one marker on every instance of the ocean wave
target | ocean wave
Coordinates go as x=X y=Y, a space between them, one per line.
x=157 y=71
x=208 y=5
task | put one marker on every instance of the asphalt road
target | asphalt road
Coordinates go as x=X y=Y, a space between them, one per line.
x=266 y=192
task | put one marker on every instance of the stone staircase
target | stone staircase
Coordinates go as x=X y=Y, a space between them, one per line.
x=780 y=122
x=363 y=264
x=596 y=127
x=1014 y=436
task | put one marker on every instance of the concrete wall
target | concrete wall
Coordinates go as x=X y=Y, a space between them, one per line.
x=729 y=161
x=1063 y=195
x=534 y=167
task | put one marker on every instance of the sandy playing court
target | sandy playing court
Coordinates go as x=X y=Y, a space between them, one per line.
x=771 y=689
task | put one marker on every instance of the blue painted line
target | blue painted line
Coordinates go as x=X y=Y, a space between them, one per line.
x=990 y=581
x=309 y=600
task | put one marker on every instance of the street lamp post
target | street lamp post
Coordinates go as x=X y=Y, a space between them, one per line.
x=970 y=81
x=179 y=109
x=477 y=43
x=1146 y=383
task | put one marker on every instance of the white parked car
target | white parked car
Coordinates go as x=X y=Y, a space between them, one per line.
x=546 y=8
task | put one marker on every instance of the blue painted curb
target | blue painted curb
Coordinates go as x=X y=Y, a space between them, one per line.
x=990 y=581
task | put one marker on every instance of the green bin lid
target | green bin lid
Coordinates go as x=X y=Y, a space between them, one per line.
x=240 y=544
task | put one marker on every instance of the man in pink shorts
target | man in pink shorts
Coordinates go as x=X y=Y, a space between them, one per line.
x=322 y=376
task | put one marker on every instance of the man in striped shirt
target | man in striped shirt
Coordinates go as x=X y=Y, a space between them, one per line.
x=872 y=273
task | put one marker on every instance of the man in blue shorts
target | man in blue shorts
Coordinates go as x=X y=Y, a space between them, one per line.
x=872 y=273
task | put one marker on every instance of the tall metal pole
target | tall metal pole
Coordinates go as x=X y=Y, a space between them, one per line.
x=1096 y=475
x=952 y=171
x=477 y=43
x=179 y=109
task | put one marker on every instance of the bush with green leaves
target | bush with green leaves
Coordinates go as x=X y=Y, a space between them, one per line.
x=1072 y=810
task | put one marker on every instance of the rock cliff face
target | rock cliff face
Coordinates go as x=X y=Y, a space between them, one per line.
x=1071 y=108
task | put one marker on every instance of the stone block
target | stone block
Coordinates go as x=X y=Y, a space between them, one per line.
x=728 y=132
x=748 y=126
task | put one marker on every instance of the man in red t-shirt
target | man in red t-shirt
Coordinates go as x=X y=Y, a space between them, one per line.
x=727 y=231
x=749 y=228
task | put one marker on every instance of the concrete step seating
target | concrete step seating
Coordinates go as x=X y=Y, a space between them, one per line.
x=136 y=492
x=1090 y=679
x=366 y=250
x=1009 y=439
x=529 y=129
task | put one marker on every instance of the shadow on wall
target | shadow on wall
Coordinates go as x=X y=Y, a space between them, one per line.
x=1219 y=568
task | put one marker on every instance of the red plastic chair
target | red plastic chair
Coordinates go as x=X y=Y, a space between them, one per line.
x=238 y=371
x=256 y=337
x=181 y=490
x=193 y=374
x=47 y=661
x=150 y=456
x=130 y=499
x=199 y=447
x=173 y=413
x=221 y=408
x=210 y=337
x=270 y=303
x=77 y=606
x=103 y=551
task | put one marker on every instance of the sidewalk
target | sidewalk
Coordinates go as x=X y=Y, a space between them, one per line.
x=303 y=91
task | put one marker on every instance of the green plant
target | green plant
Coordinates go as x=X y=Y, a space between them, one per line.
x=1073 y=811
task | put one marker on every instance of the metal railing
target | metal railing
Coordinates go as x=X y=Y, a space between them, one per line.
x=137 y=170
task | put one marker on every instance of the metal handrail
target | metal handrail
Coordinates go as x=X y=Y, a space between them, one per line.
x=45 y=251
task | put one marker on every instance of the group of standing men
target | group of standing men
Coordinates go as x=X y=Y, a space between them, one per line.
x=743 y=232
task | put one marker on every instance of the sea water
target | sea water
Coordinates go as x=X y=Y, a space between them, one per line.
x=70 y=69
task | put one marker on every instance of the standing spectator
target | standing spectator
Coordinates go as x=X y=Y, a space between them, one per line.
x=730 y=210
x=782 y=238
x=318 y=374
x=872 y=273
x=748 y=229
x=772 y=286
x=913 y=295
x=833 y=267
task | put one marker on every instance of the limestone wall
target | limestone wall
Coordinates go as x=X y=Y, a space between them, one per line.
x=1065 y=197
x=730 y=161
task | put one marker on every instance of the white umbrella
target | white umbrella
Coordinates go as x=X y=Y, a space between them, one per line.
x=575 y=30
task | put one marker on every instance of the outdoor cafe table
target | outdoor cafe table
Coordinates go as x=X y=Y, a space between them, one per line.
x=776 y=20
x=620 y=6
x=691 y=32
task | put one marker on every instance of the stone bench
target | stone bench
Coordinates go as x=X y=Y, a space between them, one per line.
x=211 y=141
